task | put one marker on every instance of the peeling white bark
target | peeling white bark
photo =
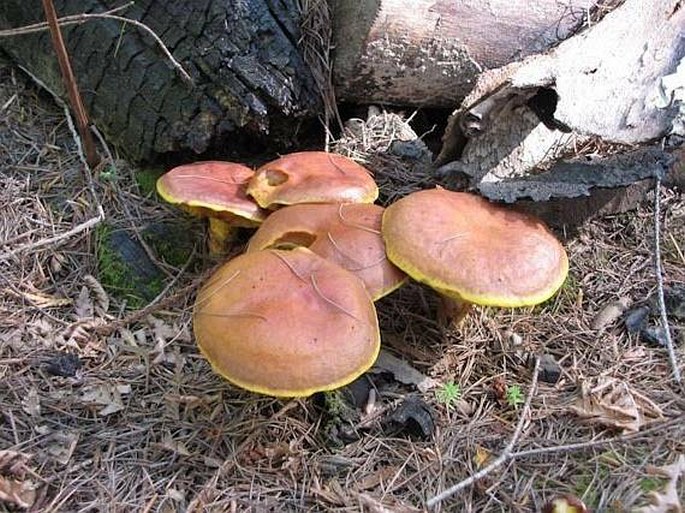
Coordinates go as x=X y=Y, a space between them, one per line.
x=619 y=80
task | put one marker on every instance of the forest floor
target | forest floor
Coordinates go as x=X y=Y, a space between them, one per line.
x=106 y=404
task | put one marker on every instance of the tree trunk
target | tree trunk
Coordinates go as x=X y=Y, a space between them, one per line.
x=429 y=52
x=247 y=74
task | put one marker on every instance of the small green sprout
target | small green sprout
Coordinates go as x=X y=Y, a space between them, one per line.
x=448 y=394
x=109 y=174
x=515 y=396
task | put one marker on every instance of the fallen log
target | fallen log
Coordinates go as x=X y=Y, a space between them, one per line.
x=248 y=77
x=248 y=74
x=429 y=53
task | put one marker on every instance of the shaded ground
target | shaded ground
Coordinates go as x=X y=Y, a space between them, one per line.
x=137 y=421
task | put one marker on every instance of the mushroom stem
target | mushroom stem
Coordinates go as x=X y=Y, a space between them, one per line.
x=452 y=311
x=220 y=234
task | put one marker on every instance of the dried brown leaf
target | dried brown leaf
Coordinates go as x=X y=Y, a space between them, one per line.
x=101 y=299
x=161 y=329
x=19 y=493
x=370 y=504
x=38 y=299
x=13 y=462
x=163 y=334
x=610 y=314
x=176 y=494
x=382 y=475
x=31 y=403
x=56 y=262
x=83 y=306
x=499 y=389
x=79 y=336
x=613 y=403
x=175 y=446
x=61 y=446
x=44 y=332
x=108 y=396
x=481 y=457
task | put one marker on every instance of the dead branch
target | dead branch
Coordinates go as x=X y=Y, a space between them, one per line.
x=594 y=444
x=617 y=82
x=70 y=83
x=660 y=283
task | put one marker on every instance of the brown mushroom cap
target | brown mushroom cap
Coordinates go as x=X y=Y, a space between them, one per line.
x=286 y=323
x=348 y=234
x=468 y=248
x=312 y=177
x=212 y=189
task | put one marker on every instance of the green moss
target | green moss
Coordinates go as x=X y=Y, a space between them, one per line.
x=146 y=179
x=335 y=404
x=124 y=277
x=109 y=174
x=174 y=242
x=173 y=254
x=581 y=487
x=565 y=296
x=650 y=484
x=570 y=288
x=340 y=417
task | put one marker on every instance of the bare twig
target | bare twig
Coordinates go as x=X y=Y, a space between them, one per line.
x=77 y=19
x=63 y=21
x=660 y=281
x=593 y=444
x=57 y=238
x=70 y=83
x=506 y=454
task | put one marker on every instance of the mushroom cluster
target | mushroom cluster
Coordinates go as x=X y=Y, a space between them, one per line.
x=294 y=314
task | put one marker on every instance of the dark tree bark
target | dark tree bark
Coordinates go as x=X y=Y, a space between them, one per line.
x=248 y=76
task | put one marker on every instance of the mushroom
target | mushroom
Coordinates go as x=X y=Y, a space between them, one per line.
x=216 y=190
x=312 y=177
x=348 y=234
x=472 y=251
x=286 y=323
